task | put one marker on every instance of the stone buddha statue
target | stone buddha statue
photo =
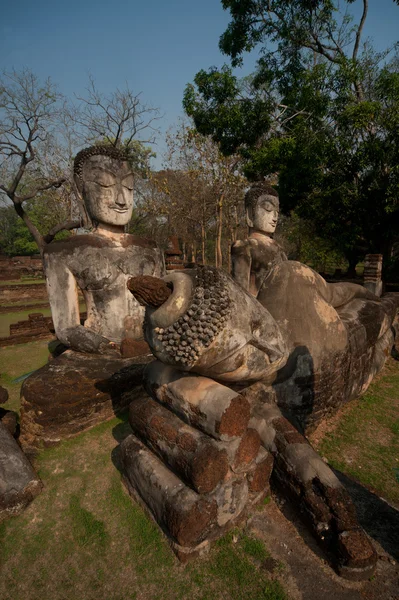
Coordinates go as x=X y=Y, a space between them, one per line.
x=338 y=335
x=104 y=362
x=100 y=263
x=253 y=258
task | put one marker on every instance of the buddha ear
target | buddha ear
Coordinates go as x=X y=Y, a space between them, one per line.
x=249 y=217
x=78 y=184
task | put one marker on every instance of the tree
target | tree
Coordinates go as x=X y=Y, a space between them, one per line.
x=121 y=118
x=29 y=148
x=202 y=190
x=321 y=110
x=40 y=131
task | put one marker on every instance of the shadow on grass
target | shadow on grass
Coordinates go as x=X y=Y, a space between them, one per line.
x=378 y=518
x=120 y=432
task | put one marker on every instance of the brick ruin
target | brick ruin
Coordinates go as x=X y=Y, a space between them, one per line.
x=16 y=267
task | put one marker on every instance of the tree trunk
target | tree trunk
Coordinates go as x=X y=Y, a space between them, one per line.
x=37 y=236
x=219 y=227
x=353 y=259
x=203 y=238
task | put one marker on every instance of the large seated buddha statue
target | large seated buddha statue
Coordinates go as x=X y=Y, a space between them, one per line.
x=100 y=263
x=84 y=383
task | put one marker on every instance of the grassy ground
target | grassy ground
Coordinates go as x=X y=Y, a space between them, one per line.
x=363 y=440
x=28 y=302
x=18 y=360
x=83 y=537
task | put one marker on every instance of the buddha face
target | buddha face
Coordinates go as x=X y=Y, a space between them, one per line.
x=107 y=189
x=264 y=215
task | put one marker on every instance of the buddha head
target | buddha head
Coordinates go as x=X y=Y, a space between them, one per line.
x=104 y=181
x=262 y=208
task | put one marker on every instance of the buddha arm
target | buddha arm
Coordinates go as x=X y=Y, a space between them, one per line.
x=339 y=294
x=241 y=261
x=63 y=295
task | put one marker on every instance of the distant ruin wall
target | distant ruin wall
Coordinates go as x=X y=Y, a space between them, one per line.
x=17 y=293
x=16 y=267
x=35 y=327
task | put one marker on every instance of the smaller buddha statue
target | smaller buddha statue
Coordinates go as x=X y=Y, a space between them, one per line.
x=338 y=335
x=253 y=258
x=101 y=262
x=302 y=302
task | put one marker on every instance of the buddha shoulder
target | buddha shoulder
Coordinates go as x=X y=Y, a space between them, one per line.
x=91 y=240
x=68 y=245
x=244 y=247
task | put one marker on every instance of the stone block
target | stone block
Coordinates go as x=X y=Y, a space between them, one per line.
x=186 y=516
x=203 y=403
x=18 y=482
x=74 y=392
x=259 y=477
x=200 y=461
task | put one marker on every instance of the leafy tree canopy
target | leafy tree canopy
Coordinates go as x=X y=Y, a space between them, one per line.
x=321 y=111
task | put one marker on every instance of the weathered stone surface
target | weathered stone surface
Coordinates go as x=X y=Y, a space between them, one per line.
x=100 y=263
x=211 y=326
x=203 y=403
x=18 y=482
x=258 y=479
x=74 y=392
x=200 y=461
x=342 y=337
x=231 y=498
x=186 y=516
x=9 y=419
x=322 y=501
x=372 y=273
x=3 y=395
x=243 y=451
x=131 y=348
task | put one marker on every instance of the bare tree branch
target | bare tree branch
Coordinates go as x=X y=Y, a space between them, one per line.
x=360 y=29
x=65 y=226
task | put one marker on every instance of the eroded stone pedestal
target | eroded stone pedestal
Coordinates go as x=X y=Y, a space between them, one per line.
x=18 y=481
x=201 y=454
x=74 y=392
x=192 y=460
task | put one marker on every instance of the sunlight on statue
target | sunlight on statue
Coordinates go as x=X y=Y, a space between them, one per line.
x=100 y=263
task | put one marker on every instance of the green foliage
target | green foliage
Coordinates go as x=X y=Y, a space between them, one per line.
x=44 y=212
x=321 y=111
x=219 y=110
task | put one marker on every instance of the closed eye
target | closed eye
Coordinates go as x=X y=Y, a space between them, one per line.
x=128 y=182
x=105 y=185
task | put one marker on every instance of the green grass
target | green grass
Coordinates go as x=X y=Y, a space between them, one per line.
x=27 y=302
x=17 y=360
x=84 y=537
x=365 y=441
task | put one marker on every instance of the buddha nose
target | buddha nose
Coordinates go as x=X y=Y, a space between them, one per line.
x=120 y=199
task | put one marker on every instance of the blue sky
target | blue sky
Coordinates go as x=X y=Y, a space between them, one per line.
x=155 y=46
